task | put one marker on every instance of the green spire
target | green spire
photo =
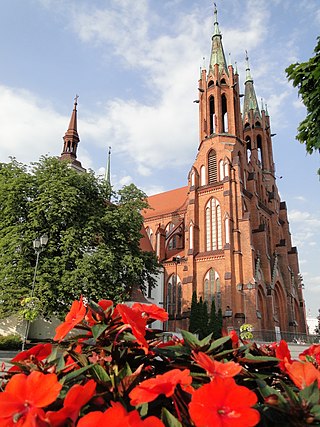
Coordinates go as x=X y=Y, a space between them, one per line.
x=248 y=74
x=250 y=99
x=217 y=52
x=107 y=176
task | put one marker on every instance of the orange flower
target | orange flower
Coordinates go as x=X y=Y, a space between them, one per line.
x=283 y=354
x=117 y=416
x=38 y=352
x=223 y=403
x=302 y=374
x=75 y=316
x=135 y=321
x=214 y=368
x=165 y=384
x=151 y=311
x=24 y=396
x=76 y=398
x=313 y=351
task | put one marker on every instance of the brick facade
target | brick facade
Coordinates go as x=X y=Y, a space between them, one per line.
x=226 y=234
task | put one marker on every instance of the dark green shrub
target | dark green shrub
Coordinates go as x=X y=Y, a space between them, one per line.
x=10 y=342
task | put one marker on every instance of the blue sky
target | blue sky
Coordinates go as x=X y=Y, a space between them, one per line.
x=135 y=65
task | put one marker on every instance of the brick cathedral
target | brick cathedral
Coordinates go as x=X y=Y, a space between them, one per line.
x=226 y=233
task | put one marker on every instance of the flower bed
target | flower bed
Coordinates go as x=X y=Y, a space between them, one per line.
x=119 y=372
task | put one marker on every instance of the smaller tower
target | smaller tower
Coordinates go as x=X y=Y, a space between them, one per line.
x=71 y=140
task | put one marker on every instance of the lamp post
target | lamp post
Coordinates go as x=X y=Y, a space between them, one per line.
x=38 y=245
x=241 y=289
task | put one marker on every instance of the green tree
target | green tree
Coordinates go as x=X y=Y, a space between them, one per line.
x=213 y=319
x=194 y=315
x=203 y=318
x=306 y=76
x=93 y=246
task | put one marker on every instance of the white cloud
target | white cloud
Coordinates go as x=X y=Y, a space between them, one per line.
x=29 y=127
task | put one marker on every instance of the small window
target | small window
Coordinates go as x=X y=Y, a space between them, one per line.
x=211 y=83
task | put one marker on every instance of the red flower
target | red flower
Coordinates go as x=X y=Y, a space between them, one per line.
x=75 y=316
x=302 y=374
x=76 y=398
x=117 y=416
x=135 y=321
x=283 y=354
x=151 y=311
x=92 y=318
x=38 y=352
x=214 y=368
x=165 y=384
x=24 y=396
x=223 y=403
x=313 y=351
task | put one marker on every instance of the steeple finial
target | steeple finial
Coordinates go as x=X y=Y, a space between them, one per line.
x=217 y=52
x=248 y=74
x=216 y=31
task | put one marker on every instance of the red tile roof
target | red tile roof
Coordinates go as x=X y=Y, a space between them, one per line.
x=145 y=244
x=167 y=202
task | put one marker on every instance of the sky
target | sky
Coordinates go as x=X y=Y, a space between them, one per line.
x=135 y=66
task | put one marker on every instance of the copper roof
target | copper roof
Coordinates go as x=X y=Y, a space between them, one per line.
x=167 y=202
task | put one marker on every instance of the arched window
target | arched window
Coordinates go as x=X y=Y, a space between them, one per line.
x=191 y=236
x=221 y=170
x=212 y=167
x=150 y=234
x=227 y=229
x=226 y=168
x=211 y=83
x=224 y=114
x=212 y=288
x=203 y=175
x=192 y=178
x=212 y=115
x=248 y=148
x=213 y=225
x=259 y=146
x=169 y=227
x=174 y=295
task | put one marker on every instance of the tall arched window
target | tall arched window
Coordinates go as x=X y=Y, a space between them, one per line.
x=224 y=113
x=213 y=225
x=212 y=167
x=221 y=170
x=212 y=115
x=203 y=175
x=259 y=146
x=212 y=288
x=191 y=236
x=174 y=295
x=150 y=234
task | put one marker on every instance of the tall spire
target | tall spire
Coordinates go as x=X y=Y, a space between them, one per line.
x=217 y=52
x=250 y=98
x=71 y=140
x=107 y=173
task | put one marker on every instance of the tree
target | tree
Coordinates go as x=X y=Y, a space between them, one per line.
x=194 y=317
x=93 y=246
x=306 y=76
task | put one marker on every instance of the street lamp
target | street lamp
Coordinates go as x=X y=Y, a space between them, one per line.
x=38 y=245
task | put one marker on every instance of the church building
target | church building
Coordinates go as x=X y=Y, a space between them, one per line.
x=226 y=233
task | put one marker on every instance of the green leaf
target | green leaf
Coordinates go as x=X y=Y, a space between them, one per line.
x=290 y=393
x=190 y=339
x=315 y=411
x=100 y=373
x=74 y=374
x=169 y=420
x=218 y=343
x=259 y=359
x=267 y=391
x=98 y=329
x=310 y=393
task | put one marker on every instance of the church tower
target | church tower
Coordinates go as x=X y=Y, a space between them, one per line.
x=71 y=140
x=226 y=234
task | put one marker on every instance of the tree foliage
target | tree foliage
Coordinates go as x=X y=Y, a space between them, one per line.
x=306 y=76
x=93 y=246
